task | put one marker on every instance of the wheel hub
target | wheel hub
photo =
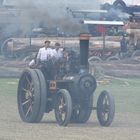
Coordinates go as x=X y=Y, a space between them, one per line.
x=28 y=95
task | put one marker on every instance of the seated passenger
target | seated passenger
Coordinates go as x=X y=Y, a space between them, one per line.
x=32 y=63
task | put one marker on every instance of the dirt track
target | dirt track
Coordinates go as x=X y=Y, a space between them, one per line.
x=123 y=68
x=126 y=126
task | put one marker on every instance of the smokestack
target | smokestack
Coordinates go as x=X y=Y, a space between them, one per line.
x=84 y=49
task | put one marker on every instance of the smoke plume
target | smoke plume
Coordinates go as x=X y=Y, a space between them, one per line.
x=48 y=13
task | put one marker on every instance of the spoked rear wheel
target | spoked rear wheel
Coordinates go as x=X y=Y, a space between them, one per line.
x=105 y=108
x=63 y=107
x=83 y=112
x=43 y=95
x=30 y=96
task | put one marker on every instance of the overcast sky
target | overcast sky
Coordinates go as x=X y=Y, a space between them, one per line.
x=130 y=2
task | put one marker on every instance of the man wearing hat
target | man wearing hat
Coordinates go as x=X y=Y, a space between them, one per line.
x=46 y=52
x=58 y=50
x=45 y=56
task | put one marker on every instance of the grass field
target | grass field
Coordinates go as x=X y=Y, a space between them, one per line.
x=125 y=91
x=126 y=124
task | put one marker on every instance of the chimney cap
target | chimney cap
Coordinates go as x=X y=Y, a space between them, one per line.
x=85 y=36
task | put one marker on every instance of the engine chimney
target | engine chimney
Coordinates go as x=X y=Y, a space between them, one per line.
x=84 y=49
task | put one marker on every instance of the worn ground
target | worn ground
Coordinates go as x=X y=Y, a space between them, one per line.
x=126 y=125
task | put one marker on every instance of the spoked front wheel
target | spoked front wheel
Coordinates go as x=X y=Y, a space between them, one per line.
x=63 y=107
x=105 y=108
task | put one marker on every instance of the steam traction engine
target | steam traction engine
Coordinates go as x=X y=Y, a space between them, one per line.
x=70 y=93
